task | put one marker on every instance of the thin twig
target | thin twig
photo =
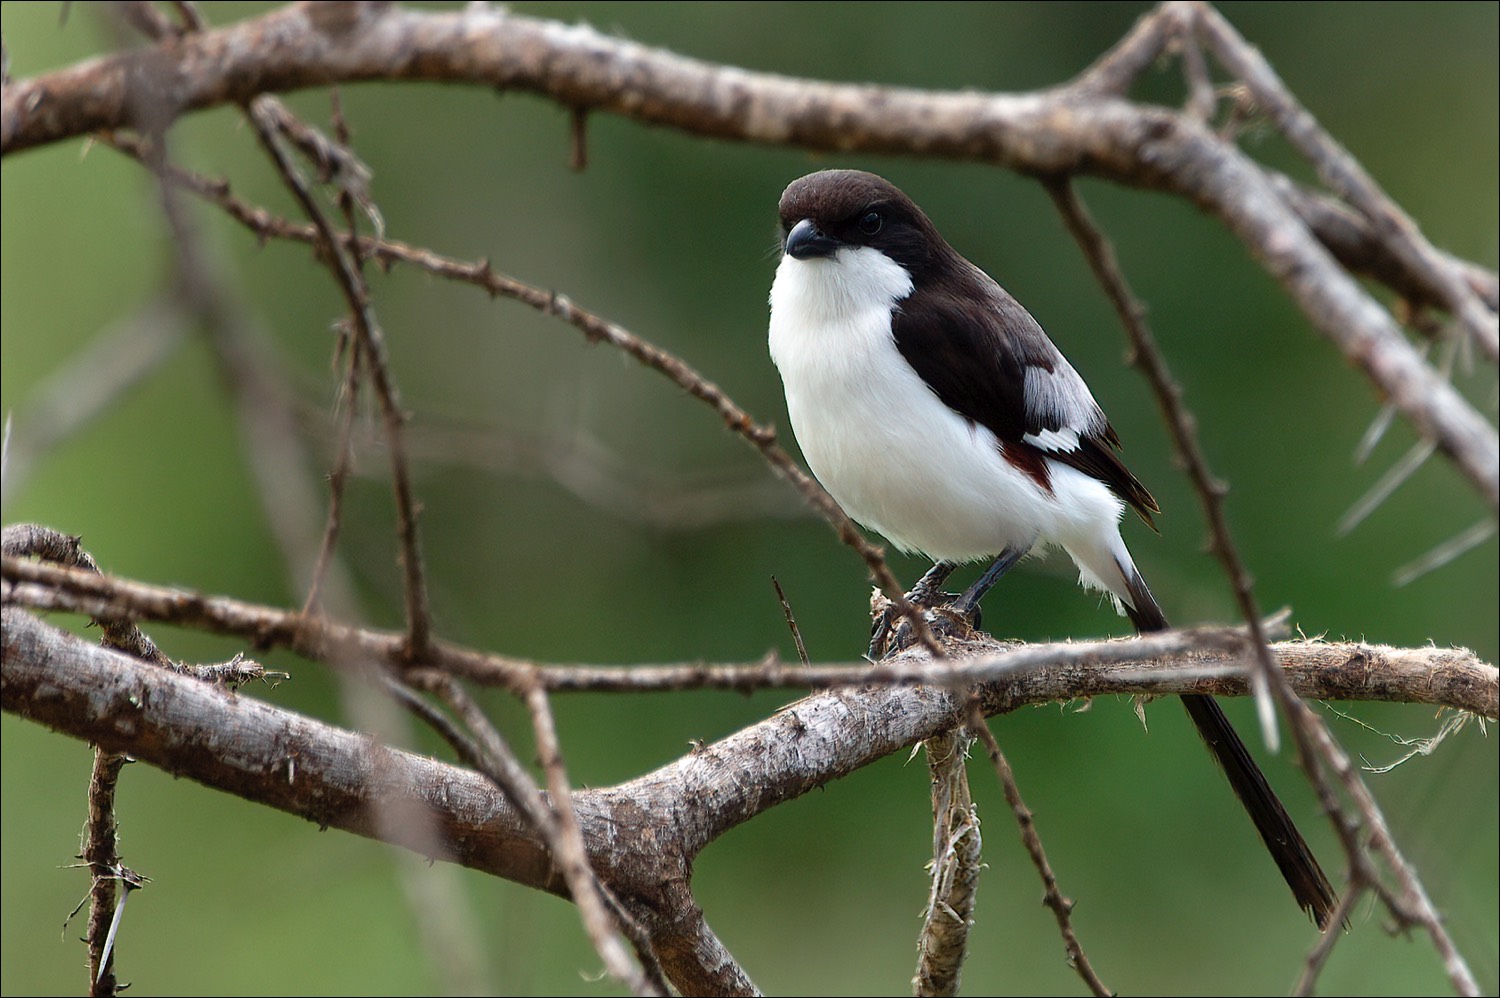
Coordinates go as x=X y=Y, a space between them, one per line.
x=1052 y=896
x=146 y=18
x=100 y=852
x=1148 y=357
x=53 y=548
x=595 y=329
x=1411 y=905
x=1210 y=491
x=268 y=125
x=347 y=404
x=708 y=790
x=279 y=467
x=1317 y=957
x=791 y=623
x=1315 y=746
x=101 y=855
x=1113 y=72
x=1203 y=98
x=1061 y=130
x=191 y=16
x=602 y=918
x=1351 y=670
x=352 y=354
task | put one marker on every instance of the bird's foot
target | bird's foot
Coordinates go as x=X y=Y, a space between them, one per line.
x=891 y=632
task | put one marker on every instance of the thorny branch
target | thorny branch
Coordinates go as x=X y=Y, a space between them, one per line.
x=1083 y=128
x=91 y=593
x=600 y=910
x=1052 y=896
x=102 y=858
x=1344 y=174
x=596 y=329
x=270 y=123
x=603 y=916
x=956 y=860
x=928 y=707
x=1088 y=128
x=688 y=803
x=279 y=465
x=1148 y=356
x=436 y=903
x=1315 y=748
x=1207 y=659
x=110 y=880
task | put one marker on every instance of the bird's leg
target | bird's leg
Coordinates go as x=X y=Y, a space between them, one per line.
x=968 y=604
x=889 y=635
x=926 y=593
x=929 y=588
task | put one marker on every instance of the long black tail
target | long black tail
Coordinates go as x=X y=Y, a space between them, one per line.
x=1298 y=865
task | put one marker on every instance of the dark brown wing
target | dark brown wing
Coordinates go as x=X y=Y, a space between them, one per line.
x=988 y=360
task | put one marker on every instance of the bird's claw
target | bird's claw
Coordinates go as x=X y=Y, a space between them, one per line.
x=891 y=632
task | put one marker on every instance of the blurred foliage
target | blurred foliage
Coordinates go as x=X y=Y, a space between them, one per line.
x=671 y=236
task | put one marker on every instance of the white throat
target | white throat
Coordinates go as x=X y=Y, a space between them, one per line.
x=835 y=290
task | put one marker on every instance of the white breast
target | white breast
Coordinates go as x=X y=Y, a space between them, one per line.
x=895 y=457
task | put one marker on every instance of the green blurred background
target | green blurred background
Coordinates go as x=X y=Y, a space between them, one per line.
x=540 y=539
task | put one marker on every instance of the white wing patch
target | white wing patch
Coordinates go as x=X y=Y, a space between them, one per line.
x=1059 y=398
x=1061 y=441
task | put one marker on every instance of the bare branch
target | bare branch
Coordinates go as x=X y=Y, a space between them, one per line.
x=271 y=121
x=816 y=740
x=791 y=623
x=1348 y=178
x=493 y=757
x=1052 y=896
x=596 y=329
x=567 y=842
x=1315 y=747
x=956 y=851
x=1067 y=131
x=1325 y=670
x=571 y=851
x=110 y=880
x=1205 y=660
x=1317 y=957
x=1184 y=428
x=102 y=858
x=1357 y=246
x=307 y=768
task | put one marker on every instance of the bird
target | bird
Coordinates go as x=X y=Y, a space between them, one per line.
x=937 y=412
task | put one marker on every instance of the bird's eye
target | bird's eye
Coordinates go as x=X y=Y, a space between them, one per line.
x=871 y=222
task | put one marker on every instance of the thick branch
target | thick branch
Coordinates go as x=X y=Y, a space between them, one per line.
x=253 y=750
x=642 y=835
x=302 y=766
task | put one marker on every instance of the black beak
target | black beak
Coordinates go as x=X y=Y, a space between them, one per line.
x=806 y=241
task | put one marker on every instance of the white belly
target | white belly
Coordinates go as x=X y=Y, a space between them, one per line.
x=914 y=470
